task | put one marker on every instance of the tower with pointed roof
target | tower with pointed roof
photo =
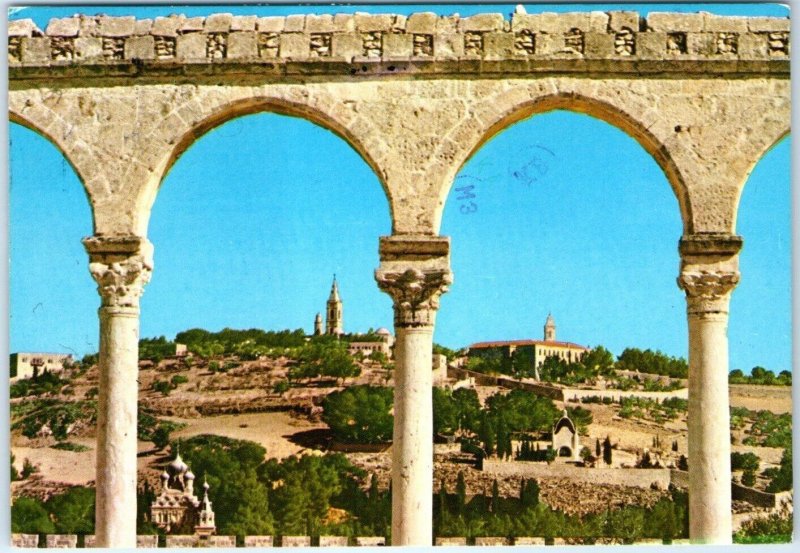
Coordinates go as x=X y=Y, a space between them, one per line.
x=318 y=325
x=550 y=329
x=333 y=323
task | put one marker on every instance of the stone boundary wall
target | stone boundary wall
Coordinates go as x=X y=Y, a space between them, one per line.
x=489 y=380
x=638 y=478
x=679 y=478
x=576 y=394
x=361 y=37
x=25 y=540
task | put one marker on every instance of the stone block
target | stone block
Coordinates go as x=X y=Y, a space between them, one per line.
x=89 y=541
x=35 y=50
x=559 y=541
x=87 y=48
x=396 y=45
x=346 y=45
x=333 y=541
x=490 y=541
x=191 y=46
x=294 y=46
x=294 y=24
x=447 y=24
x=724 y=24
x=258 y=541
x=218 y=23
x=528 y=541
x=752 y=46
x=672 y=22
x=619 y=20
x=67 y=26
x=768 y=24
x=598 y=45
x=497 y=46
x=599 y=21
x=143 y=27
x=447 y=45
x=242 y=44
x=366 y=22
x=451 y=541
x=221 y=541
x=166 y=26
x=140 y=48
x=482 y=22
x=116 y=26
x=370 y=541
x=700 y=44
x=23 y=27
x=192 y=25
x=649 y=542
x=556 y=23
x=149 y=541
x=651 y=45
x=61 y=541
x=182 y=541
x=244 y=22
x=422 y=23
x=344 y=23
x=271 y=24
x=547 y=44
x=319 y=23
x=25 y=540
x=295 y=541
x=520 y=21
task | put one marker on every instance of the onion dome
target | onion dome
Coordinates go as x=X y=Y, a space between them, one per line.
x=189 y=475
x=178 y=465
x=165 y=475
x=205 y=485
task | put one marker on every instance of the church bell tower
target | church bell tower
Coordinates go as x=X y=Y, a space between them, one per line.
x=333 y=324
x=550 y=329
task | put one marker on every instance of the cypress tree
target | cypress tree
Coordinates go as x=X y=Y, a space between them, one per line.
x=607 y=451
x=597 y=450
x=495 y=496
x=461 y=492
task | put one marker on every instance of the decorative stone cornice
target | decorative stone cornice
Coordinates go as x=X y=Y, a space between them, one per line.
x=361 y=45
x=415 y=293
x=121 y=266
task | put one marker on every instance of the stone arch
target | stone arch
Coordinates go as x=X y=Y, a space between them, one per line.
x=506 y=109
x=50 y=136
x=564 y=451
x=769 y=142
x=180 y=140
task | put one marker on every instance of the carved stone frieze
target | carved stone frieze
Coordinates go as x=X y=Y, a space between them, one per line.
x=415 y=293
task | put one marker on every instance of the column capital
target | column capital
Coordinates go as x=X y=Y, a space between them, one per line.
x=415 y=293
x=121 y=266
x=709 y=271
x=415 y=271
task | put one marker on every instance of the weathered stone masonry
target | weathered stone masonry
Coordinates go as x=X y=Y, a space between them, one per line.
x=415 y=96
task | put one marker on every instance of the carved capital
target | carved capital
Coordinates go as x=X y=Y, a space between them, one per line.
x=415 y=293
x=121 y=266
x=708 y=291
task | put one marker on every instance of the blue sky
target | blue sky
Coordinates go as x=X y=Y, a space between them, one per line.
x=573 y=218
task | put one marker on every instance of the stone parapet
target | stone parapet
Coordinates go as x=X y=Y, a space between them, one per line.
x=357 y=44
x=61 y=541
x=258 y=541
x=25 y=540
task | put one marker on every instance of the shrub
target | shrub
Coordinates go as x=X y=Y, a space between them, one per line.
x=748 y=478
x=281 y=387
x=70 y=446
x=28 y=468
x=744 y=461
x=179 y=379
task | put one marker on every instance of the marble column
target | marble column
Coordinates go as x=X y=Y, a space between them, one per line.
x=415 y=274
x=121 y=266
x=709 y=273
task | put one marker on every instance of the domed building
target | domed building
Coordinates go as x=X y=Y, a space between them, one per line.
x=177 y=509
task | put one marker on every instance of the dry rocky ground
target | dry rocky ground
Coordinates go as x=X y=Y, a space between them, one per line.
x=241 y=404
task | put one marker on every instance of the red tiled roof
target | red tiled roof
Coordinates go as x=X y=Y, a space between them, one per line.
x=481 y=345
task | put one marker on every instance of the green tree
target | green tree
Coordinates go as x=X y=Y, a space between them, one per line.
x=748 y=478
x=73 y=511
x=445 y=412
x=29 y=516
x=782 y=480
x=160 y=436
x=607 y=456
x=360 y=414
